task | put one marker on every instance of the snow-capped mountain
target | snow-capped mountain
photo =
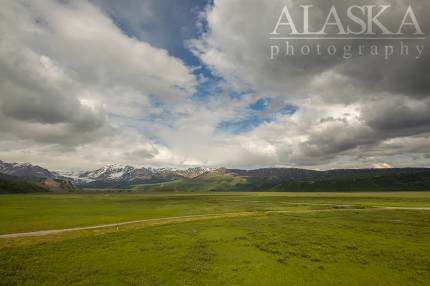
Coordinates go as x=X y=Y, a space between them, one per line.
x=110 y=175
x=75 y=176
x=25 y=170
x=113 y=176
x=120 y=175
x=194 y=172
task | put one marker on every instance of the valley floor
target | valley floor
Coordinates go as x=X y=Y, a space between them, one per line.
x=215 y=239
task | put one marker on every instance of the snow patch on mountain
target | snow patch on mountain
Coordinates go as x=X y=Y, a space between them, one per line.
x=25 y=170
x=108 y=175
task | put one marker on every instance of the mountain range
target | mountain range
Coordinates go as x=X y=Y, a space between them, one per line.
x=117 y=175
x=24 y=170
x=107 y=176
x=217 y=179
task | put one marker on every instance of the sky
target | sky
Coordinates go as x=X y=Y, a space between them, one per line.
x=167 y=83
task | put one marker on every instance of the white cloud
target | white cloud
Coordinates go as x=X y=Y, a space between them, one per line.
x=67 y=72
x=76 y=92
x=345 y=106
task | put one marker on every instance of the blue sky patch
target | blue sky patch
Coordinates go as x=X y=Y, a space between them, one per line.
x=289 y=109
x=243 y=125
x=262 y=104
x=256 y=117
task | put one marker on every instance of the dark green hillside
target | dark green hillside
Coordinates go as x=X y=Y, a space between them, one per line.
x=365 y=183
x=418 y=181
x=214 y=181
x=10 y=184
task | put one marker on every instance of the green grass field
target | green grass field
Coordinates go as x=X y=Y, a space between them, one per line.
x=254 y=239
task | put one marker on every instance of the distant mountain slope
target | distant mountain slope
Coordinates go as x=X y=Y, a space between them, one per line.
x=303 y=174
x=111 y=172
x=345 y=181
x=25 y=170
x=120 y=176
x=13 y=184
x=26 y=178
x=10 y=184
x=213 y=181
x=58 y=185
x=419 y=181
x=107 y=176
x=221 y=179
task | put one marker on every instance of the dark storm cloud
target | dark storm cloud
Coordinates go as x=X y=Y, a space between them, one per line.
x=327 y=144
x=387 y=95
x=407 y=76
x=398 y=116
x=34 y=101
x=245 y=46
x=398 y=74
x=38 y=100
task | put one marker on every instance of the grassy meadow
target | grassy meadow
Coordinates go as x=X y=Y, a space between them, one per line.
x=239 y=239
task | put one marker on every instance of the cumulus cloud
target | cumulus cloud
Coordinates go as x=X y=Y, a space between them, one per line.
x=125 y=147
x=67 y=71
x=237 y=45
x=347 y=107
x=76 y=90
